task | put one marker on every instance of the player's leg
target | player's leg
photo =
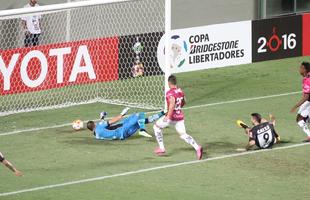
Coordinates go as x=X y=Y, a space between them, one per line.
x=141 y=122
x=133 y=123
x=155 y=117
x=158 y=132
x=27 y=40
x=301 y=118
x=129 y=131
x=130 y=125
x=250 y=144
x=243 y=125
x=32 y=39
x=35 y=40
x=180 y=128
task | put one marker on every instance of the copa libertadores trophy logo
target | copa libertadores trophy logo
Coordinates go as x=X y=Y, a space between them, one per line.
x=138 y=68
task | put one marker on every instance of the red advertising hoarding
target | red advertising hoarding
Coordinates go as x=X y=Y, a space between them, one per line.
x=306 y=34
x=58 y=65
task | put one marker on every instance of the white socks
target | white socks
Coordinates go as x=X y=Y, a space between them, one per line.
x=304 y=127
x=189 y=140
x=159 y=137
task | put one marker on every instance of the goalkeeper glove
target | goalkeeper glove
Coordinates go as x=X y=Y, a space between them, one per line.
x=124 y=111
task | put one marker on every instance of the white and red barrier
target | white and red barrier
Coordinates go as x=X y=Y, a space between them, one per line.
x=58 y=65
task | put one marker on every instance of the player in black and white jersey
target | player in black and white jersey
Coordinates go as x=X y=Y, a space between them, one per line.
x=262 y=134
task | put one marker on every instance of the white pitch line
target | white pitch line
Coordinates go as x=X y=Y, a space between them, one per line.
x=242 y=100
x=186 y=108
x=147 y=170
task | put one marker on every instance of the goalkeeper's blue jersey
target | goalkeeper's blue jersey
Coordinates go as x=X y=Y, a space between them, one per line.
x=120 y=131
x=103 y=131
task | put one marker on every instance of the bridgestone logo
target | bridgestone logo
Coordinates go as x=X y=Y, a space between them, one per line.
x=200 y=53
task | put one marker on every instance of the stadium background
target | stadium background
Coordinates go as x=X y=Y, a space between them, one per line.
x=206 y=13
x=56 y=154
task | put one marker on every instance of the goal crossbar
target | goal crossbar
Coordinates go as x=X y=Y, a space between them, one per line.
x=56 y=7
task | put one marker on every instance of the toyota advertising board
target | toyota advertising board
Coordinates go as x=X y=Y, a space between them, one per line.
x=58 y=65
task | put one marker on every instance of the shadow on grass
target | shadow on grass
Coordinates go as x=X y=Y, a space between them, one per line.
x=221 y=145
x=90 y=140
x=285 y=142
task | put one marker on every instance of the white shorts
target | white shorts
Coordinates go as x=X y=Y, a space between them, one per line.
x=179 y=125
x=304 y=109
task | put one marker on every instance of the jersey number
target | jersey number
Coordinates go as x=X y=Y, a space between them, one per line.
x=178 y=103
x=265 y=138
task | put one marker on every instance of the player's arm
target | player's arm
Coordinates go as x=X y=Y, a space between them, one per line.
x=183 y=102
x=115 y=119
x=272 y=119
x=170 y=108
x=304 y=98
x=9 y=165
x=12 y=168
x=119 y=117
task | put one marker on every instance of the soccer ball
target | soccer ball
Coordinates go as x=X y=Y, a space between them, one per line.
x=77 y=124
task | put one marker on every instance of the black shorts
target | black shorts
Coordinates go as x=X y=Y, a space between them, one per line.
x=31 y=40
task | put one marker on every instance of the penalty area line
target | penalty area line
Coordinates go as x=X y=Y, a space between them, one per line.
x=186 y=108
x=148 y=170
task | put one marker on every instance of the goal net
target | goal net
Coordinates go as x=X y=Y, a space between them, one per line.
x=98 y=52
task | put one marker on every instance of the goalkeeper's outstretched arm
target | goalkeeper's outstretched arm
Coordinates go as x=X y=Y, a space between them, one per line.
x=119 y=117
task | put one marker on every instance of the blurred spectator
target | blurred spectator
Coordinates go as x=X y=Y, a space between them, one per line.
x=31 y=25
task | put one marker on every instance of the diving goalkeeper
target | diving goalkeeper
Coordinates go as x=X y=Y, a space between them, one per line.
x=120 y=128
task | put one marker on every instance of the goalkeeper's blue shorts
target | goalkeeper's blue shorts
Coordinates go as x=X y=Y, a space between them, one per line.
x=130 y=125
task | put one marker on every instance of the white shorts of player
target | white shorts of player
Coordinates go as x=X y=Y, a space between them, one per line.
x=179 y=125
x=304 y=109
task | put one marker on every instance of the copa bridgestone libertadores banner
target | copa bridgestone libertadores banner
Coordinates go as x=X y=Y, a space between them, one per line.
x=58 y=65
x=276 y=38
x=208 y=47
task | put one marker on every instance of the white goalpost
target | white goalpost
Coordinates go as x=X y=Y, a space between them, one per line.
x=88 y=51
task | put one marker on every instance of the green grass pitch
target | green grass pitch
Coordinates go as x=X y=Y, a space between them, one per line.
x=61 y=155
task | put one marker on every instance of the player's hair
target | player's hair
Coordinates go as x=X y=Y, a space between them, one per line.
x=257 y=117
x=306 y=65
x=172 y=79
x=90 y=125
